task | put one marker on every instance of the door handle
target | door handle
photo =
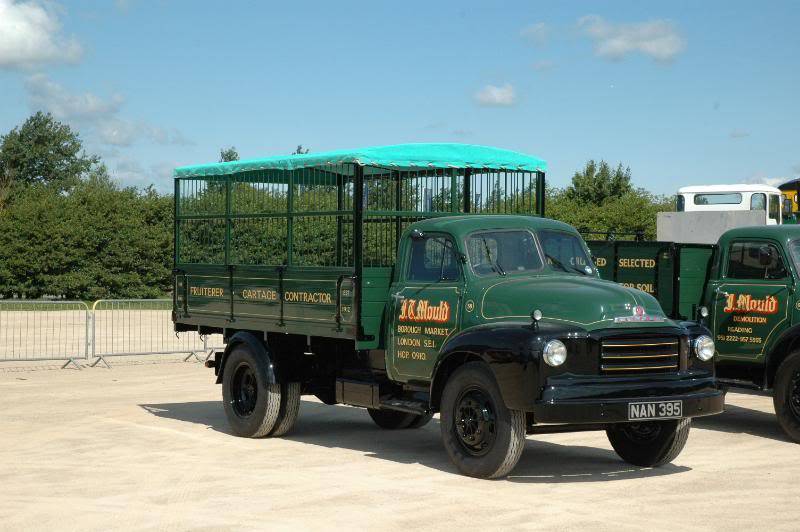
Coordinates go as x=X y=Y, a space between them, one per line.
x=398 y=297
x=726 y=295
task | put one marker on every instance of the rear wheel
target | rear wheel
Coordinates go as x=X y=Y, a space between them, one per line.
x=251 y=403
x=483 y=438
x=786 y=396
x=394 y=419
x=650 y=443
x=290 y=408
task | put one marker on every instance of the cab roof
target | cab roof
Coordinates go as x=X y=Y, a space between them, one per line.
x=781 y=233
x=463 y=225
x=744 y=187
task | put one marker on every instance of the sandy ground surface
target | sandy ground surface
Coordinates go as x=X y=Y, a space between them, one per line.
x=146 y=446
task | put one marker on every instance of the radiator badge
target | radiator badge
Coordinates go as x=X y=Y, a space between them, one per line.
x=423 y=310
x=747 y=303
x=639 y=315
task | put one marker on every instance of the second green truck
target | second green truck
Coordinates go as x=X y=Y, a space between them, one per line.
x=744 y=287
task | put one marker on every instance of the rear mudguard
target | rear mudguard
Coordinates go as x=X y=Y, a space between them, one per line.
x=257 y=346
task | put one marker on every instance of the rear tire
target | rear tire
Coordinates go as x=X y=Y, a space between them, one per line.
x=786 y=396
x=251 y=403
x=483 y=437
x=650 y=443
x=290 y=408
x=396 y=420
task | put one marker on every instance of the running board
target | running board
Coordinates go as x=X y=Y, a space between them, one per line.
x=403 y=405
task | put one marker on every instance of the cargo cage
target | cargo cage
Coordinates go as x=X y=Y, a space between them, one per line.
x=330 y=228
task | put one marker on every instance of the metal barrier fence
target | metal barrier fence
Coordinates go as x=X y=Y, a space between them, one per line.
x=70 y=331
x=124 y=327
x=44 y=330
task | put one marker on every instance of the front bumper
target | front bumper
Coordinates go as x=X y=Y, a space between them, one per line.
x=578 y=399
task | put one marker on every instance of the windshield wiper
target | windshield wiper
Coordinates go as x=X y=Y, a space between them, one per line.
x=567 y=269
x=495 y=265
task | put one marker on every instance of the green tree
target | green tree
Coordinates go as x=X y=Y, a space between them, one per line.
x=43 y=151
x=300 y=150
x=597 y=182
x=97 y=241
x=228 y=154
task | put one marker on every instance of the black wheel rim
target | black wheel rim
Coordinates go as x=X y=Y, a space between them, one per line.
x=244 y=390
x=794 y=395
x=642 y=432
x=475 y=421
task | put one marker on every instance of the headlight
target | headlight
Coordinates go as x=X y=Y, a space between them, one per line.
x=555 y=353
x=704 y=348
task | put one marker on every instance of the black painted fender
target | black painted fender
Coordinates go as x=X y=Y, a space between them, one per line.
x=510 y=349
x=787 y=342
x=257 y=346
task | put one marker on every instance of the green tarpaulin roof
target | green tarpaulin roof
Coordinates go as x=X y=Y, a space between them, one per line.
x=399 y=156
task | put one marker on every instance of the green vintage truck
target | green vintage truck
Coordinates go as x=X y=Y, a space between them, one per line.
x=423 y=278
x=746 y=288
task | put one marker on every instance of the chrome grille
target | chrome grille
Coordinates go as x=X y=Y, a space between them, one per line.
x=635 y=356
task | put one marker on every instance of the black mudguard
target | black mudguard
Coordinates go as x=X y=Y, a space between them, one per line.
x=257 y=346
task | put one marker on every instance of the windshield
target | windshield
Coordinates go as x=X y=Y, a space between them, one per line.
x=503 y=252
x=565 y=252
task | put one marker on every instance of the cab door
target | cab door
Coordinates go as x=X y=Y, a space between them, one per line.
x=425 y=306
x=751 y=300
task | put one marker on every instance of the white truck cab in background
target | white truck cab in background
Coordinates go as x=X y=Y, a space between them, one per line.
x=743 y=197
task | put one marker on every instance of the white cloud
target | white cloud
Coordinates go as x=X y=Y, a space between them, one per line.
x=46 y=94
x=492 y=95
x=762 y=179
x=30 y=35
x=537 y=33
x=100 y=116
x=658 y=39
x=132 y=173
x=739 y=134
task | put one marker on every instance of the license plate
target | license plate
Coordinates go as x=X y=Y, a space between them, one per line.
x=655 y=410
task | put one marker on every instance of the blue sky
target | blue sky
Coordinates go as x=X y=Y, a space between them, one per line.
x=682 y=92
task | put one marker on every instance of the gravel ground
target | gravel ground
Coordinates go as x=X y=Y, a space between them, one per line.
x=145 y=446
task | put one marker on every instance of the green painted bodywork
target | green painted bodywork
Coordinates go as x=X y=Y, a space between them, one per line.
x=751 y=342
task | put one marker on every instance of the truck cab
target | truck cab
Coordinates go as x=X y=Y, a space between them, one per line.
x=741 y=197
x=752 y=294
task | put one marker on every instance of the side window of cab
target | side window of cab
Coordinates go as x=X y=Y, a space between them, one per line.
x=433 y=259
x=755 y=260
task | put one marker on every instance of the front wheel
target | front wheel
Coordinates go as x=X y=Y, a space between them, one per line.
x=786 y=396
x=483 y=438
x=650 y=443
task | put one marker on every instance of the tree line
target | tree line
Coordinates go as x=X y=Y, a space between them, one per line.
x=69 y=230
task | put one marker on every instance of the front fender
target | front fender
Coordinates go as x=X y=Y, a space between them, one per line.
x=510 y=352
x=257 y=347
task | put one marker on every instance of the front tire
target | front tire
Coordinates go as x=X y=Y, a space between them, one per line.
x=483 y=438
x=786 y=396
x=650 y=443
x=251 y=404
